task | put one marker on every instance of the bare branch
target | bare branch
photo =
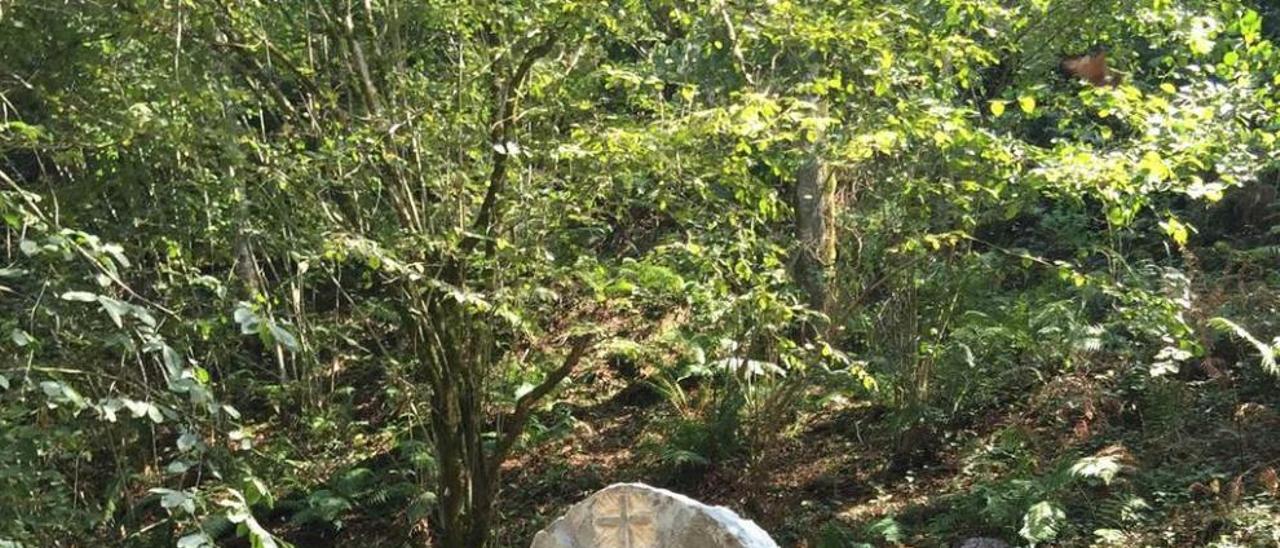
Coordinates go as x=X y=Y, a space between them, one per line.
x=735 y=45
x=514 y=424
x=499 y=133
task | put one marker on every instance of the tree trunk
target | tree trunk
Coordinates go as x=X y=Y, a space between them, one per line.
x=815 y=202
x=469 y=475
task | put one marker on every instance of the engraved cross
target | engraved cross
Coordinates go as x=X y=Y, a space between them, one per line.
x=627 y=526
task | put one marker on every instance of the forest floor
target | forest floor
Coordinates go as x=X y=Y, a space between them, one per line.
x=837 y=467
x=825 y=471
x=832 y=469
x=1194 y=459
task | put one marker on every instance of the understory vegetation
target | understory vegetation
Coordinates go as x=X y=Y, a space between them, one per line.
x=869 y=272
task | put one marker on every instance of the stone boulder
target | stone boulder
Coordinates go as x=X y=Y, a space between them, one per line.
x=635 y=515
x=983 y=542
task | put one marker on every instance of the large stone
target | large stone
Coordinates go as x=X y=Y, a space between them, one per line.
x=635 y=515
x=983 y=542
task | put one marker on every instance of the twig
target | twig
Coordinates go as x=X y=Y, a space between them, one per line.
x=734 y=45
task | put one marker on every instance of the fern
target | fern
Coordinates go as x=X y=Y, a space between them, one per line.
x=391 y=493
x=1104 y=468
x=1264 y=252
x=1042 y=522
x=835 y=535
x=1089 y=338
x=1266 y=351
x=684 y=457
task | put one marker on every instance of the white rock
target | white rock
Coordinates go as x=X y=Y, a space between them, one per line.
x=983 y=542
x=635 y=515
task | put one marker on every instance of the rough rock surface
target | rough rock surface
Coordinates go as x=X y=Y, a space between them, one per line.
x=635 y=515
x=983 y=542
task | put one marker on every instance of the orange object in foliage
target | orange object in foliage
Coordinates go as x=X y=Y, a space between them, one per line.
x=1092 y=68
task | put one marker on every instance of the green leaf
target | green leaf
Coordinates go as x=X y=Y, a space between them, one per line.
x=260 y=537
x=1155 y=166
x=187 y=441
x=142 y=315
x=1250 y=26
x=114 y=308
x=1027 y=103
x=888 y=529
x=170 y=499
x=1203 y=31
x=59 y=393
x=1163 y=368
x=1267 y=353
x=136 y=408
x=173 y=361
x=997 y=108
x=1198 y=189
x=282 y=336
x=196 y=540
x=1112 y=537
x=117 y=253
x=154 y=414
x=140 y=409
x=248 y=321
x=80 y=296
x=238 y=513
x=1042 y=522
x=28 y=247
x=27 y=131
x=109 y=408
x=20 y=337
x=1176 y=230
x=255 y=491
x=1118 y=215
x=1105 y=468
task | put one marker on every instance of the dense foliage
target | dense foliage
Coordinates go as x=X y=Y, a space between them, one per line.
x=275 y=271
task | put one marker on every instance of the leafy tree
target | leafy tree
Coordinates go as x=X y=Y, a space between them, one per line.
x=242 y=234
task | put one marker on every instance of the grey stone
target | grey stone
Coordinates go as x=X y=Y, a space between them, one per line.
x=983 y=542
x=635 y=515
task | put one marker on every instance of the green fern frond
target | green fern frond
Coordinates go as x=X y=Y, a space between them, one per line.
x=835 y=535
x=1266 y=351
x=682 y=457
x=1263 y=252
